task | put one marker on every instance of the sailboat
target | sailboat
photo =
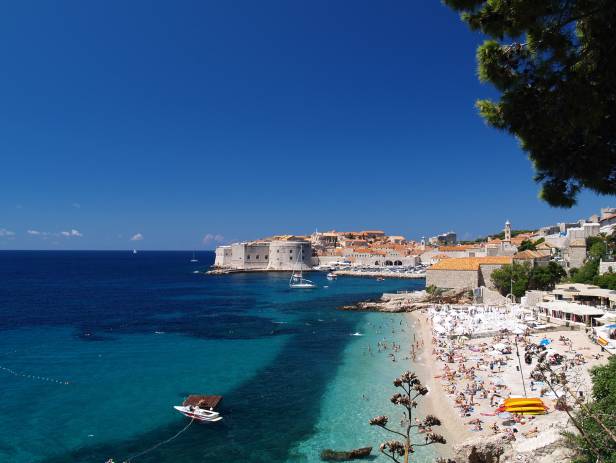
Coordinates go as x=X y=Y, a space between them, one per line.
x=194 y=259
x=297 y=280
x=134 y=251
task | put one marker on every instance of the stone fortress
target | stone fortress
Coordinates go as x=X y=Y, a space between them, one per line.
x=286 y=253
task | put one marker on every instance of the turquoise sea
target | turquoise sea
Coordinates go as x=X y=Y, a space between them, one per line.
x=96 y=348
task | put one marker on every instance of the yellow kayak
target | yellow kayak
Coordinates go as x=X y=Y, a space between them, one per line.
x=528 y=408
x=523 y=401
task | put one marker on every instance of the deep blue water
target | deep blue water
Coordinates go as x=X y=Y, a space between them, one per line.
x=133 y=334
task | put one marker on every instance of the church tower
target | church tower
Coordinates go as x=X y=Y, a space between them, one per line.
x=507 y=232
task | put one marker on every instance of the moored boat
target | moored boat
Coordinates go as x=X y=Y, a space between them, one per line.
x=198 y=413
x=200 y=408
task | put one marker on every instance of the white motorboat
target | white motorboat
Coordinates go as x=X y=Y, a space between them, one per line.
x=198 y=413
x=194 y=259
x=331 y=276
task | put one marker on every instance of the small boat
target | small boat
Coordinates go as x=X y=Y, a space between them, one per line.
x=297 y=280
x=200 y=408
x=380 y=279
x=331 y=276
x=194 y=259
x=198 y=413
x=134 y=251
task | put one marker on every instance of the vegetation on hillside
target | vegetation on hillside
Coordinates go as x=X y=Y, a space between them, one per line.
x=501 y=236
x=528 y=245
x=599 y=247
x=596 y=421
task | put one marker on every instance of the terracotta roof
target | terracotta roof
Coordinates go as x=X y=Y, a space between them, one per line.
x=529 y=255
x=608 y=217
x=460 y=247
x=470 y=263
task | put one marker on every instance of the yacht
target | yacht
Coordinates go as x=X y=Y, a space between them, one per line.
x=297 y=280
x=331 y=276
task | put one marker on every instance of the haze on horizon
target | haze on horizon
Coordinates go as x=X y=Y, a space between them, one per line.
x=159 y=126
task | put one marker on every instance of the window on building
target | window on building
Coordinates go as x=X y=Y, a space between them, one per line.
x=247 y=257
x=290 y=258
x=257 y=256
x=265 y=257
x=290 y=251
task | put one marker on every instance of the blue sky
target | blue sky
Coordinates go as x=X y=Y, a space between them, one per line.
x=192 y=123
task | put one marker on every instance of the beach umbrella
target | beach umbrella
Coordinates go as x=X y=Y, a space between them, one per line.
x=500 y=346
x=544 y=342
x=498 y=382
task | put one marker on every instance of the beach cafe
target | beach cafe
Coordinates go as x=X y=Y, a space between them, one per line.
x=569 y=313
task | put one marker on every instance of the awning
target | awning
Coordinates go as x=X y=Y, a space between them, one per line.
x=572 y=308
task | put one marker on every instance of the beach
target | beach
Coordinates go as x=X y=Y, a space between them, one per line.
x=467 y=387
x=436 y=401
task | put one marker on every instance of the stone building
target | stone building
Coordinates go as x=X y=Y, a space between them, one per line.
x=575 y=253
x=465 y=272
x=265 y=255
x=448 y=238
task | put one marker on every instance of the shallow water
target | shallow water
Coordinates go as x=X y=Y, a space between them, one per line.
x=133 y=334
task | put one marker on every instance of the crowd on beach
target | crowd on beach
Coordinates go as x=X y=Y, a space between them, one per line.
x=485 y=355
x=482 y=356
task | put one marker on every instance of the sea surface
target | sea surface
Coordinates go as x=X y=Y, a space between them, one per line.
x=96 y=348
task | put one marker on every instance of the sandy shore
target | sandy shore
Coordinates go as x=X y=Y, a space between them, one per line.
x=436 y=402
x=538 y=437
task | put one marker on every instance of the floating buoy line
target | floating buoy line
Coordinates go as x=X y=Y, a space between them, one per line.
x=33 y=377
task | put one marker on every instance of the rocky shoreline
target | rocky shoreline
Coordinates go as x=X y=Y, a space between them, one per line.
x=407 y=302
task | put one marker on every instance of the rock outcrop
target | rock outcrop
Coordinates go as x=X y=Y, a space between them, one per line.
x=409 y=302
x=482 y=450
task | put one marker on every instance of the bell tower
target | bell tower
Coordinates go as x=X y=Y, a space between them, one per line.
x=507 y=232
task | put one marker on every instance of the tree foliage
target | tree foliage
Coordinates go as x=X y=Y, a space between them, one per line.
x=607 y=280
x=512 y=279
x=527 y=245
x=598 y=248
x=598 y=442
x=525 y=277
x=545 y=277
x=553 y=62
